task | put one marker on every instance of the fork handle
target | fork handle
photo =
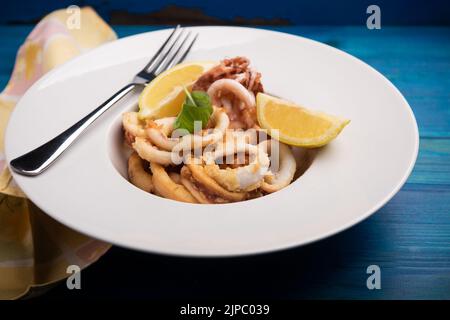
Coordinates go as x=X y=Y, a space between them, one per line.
x=39 y=159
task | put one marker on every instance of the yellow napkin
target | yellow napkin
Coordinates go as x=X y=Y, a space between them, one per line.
x=35 y=250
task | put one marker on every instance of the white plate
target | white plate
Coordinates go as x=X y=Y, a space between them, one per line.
x=348 y=181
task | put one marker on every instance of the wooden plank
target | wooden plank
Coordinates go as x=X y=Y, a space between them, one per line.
x=433 y=162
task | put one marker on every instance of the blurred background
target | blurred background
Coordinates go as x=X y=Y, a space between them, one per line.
x=238 y=12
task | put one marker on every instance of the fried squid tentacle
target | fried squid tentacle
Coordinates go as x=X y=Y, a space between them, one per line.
x=237 y=68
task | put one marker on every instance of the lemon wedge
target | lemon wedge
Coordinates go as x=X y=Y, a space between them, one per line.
x=296 y=125
x=164 y=96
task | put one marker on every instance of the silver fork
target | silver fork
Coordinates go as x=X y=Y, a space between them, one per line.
x=173 y=51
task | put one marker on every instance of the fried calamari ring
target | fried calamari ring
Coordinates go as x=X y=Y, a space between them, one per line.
x=202 y=179
x=250 y=136
x=137 y=173
x=191 y=142
x=159 y=131
x=168 y=188
x=187 y=181
x=286 y=168
x=216 y=90
x=244 y=178
x=221 y=122
x=176 y=177
x=150 y=153
x=237 y=100
x=183 y=146
x=133 y=125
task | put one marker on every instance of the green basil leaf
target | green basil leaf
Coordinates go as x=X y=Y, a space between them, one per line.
x=202 y=100
x=196 y=107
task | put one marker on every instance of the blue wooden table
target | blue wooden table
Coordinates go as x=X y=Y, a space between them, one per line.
x=409 y=238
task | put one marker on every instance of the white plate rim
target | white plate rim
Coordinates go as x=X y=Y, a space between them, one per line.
x=331 y=232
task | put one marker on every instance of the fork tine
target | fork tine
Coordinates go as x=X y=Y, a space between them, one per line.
x=186 y=52
x=156 y=55
x=165 y=54
x=164 y=66
x=172 y=60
